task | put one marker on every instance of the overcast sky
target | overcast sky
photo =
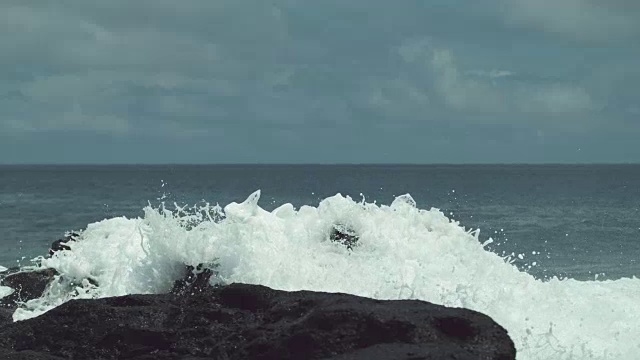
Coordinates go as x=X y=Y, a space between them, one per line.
x=358 y=81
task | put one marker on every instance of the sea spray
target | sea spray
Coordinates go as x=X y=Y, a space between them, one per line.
x=403 y=252
x=5 y=291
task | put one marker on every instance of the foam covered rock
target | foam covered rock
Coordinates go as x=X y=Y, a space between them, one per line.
x=26 y=285
x=344 y=235
x=62 y=244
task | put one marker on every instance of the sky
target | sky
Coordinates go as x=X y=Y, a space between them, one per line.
x=292 y=81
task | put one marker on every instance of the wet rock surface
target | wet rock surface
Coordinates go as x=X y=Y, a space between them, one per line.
x=27 y=285
x=6 y=317
x=62 y=244
x=240 y=321
x=196 y=279
x=344 y=235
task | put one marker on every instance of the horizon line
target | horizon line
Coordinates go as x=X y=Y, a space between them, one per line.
x=326 y=164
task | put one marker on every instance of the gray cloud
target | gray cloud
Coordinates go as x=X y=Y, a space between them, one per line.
x=490 y=90
x=112 y=64
x=270 y=77
x=583 y=20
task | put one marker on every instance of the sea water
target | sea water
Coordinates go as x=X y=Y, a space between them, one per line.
x=559 y=273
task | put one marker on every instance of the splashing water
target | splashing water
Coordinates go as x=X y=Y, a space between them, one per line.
x=5 y=291
x=403 y=253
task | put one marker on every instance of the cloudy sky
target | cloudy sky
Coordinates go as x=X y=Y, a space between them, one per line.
x=359 y=81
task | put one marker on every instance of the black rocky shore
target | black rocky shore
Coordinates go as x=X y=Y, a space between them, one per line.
x=240 y=321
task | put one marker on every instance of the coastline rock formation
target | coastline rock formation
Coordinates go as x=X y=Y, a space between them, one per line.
x=198 y=321
x=240 y=321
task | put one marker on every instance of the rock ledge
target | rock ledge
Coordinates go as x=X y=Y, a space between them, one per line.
x=240 y=321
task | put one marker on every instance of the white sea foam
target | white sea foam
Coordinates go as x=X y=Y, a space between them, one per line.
x=403 y=253
x=5 y=291
x=3 y=269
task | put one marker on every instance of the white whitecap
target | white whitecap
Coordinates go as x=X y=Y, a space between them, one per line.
x=403 y=202
x=284 y=211
x=244 y=210
x=5 y=291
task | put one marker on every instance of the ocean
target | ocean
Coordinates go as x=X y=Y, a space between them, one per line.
x=551 y=252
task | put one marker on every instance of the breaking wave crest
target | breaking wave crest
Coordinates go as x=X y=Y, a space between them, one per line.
x=402 y=252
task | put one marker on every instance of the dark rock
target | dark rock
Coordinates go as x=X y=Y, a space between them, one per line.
x=27 y=285
x=9 y=271
x=6 y=317
x=344 y=235
x=195 y=280
x=241 y=321
x=398 y=351
x=61 y=244
x=26 y=355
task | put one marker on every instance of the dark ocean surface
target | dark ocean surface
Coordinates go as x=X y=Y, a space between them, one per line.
x=571 y=220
